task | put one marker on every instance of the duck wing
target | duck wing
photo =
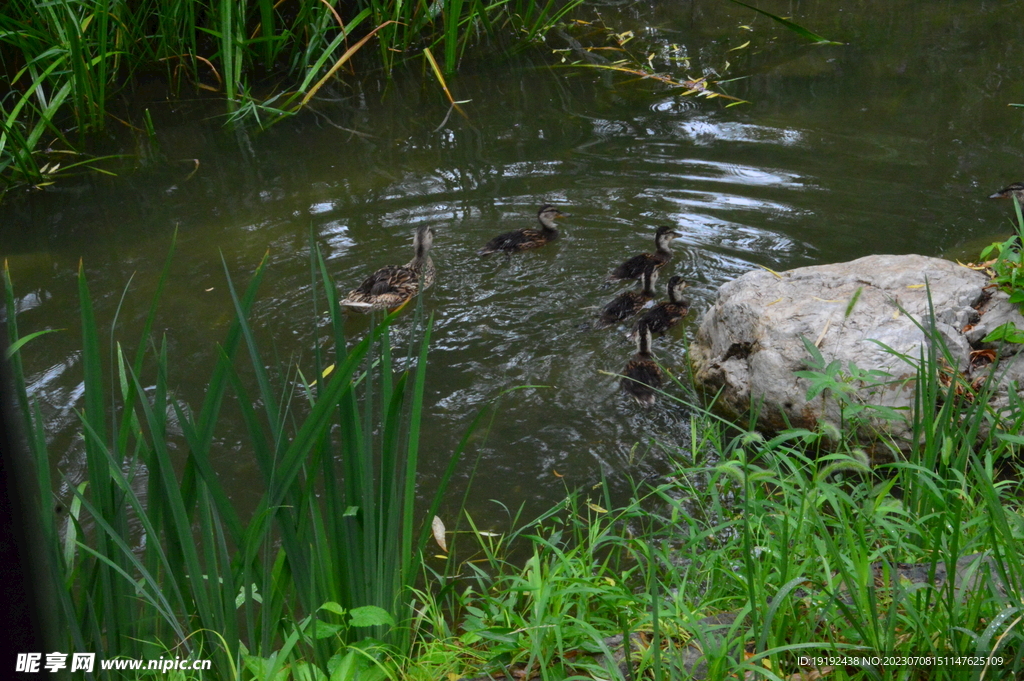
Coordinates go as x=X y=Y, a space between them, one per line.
x=387 y=279
x=622 y=307
x=635 y=266
x=661 y=318
x=518 y=240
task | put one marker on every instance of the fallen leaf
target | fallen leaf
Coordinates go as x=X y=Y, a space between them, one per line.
x=437 y=527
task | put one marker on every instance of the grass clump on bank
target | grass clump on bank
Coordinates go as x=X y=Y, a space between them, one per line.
x=154 y=561
x=760 y=551
x=65 y=59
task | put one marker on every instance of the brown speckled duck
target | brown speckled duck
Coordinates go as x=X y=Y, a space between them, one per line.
x=664 y=316
x=527 y=239
x=635 y=266
x=642 y=378
x=391 y=286
x=627 y=304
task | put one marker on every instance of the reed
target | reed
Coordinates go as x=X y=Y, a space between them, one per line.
x=154 y=560
x=65 y=59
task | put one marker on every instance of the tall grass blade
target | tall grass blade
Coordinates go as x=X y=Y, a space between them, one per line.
x=796 y=28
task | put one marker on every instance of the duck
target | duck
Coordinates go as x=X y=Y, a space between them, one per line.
x=664 y=316
x=635 y=266
x=642 y=378
x=627 y=304
x=527 y=239
x=1015 y=190
x=394 y=285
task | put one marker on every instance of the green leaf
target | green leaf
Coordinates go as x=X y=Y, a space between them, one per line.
x=15 y=346
x=1007 y=332
x=796 y=28
x=371 y=616
x=331 y=606
x=327 y=630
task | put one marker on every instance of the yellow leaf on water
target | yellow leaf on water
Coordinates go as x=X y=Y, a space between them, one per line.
x=596 y=508
x=327 y=371
x=437 y=527
x=740 y=47
x=915 y=286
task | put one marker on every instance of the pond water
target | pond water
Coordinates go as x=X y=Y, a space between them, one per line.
x=888 y=143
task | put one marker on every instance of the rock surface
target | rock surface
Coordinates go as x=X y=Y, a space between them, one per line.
x=749 y=343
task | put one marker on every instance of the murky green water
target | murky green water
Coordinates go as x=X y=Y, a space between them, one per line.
x=887 y=144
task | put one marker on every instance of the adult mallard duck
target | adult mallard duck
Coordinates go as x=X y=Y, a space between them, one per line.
x=1015 y=190
x=627 y=304
x=527 y=239
x=642 y=378
x=390 y=286
x=664 y=316
x=635 y=266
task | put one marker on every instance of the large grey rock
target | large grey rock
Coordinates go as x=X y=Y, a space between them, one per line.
x=749 y=342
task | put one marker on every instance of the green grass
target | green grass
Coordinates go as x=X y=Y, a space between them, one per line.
x=65 y=59
x=796 y=538
x=320 y=575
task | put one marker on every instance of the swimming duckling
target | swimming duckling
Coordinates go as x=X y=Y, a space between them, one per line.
x=664 y=316
x=393 y=285
x=1016 y=190
x=642 y=377
x=627 y=304
x=527 y=239
x=635 y=266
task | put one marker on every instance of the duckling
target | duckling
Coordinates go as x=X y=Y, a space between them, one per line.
x=627 y=304
x=393 y=285
x=527 y=239
x=664 y=316
x=642 y=377
x=1016 y=190
x=635 y=266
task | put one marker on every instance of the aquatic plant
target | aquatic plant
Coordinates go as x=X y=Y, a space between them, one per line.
x=66 y=58
x=153 y=558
